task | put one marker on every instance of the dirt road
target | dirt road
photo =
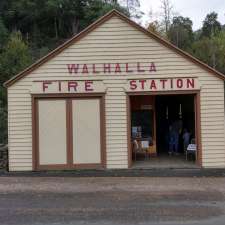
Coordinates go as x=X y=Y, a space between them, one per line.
x=57 y=200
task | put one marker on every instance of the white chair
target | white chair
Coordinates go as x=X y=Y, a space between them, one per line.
x=145 y=146
x=140 y=147
x=191 y=149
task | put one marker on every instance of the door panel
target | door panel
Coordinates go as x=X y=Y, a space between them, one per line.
x=52 y=132
x=86 y=131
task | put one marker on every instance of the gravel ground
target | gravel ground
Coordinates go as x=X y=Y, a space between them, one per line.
x=111 y=200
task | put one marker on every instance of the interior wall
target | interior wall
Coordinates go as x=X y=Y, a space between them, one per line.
x=145 y=103
x=138 y=101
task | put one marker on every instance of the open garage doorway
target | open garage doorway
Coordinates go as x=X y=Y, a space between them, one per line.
x=163 y=131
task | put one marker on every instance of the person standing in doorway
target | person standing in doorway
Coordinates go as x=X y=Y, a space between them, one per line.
x=186 y=139
x=174 y=132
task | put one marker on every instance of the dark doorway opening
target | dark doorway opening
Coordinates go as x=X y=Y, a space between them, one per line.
x=153 y=117
x=174 y=111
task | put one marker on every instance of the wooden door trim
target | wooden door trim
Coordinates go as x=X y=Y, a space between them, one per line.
x=35 y=131
x=197 y=119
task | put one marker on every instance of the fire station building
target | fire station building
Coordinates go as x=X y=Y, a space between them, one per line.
x=116 y=96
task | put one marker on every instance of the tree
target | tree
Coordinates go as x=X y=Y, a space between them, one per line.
x=211 y=51
x=3 y=116
x=211 y=25
x=180 y=32
x=14 y=58
x=160 y=21
x=73 y=12
x=167 y=14
x=156 y=27
x=96 y=9
x=208 y=42
x=3 y=34
x=111 y=1
x=133 y=8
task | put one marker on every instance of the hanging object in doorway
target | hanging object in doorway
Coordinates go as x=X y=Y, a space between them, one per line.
x=180 y=112
x=167 y=113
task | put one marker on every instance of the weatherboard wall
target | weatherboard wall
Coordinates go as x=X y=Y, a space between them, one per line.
x=117 y=41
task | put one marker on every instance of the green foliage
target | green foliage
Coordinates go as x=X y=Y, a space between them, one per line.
x=3 y=116
x=181 y=33
x=211 y=50
x=211 y=26
x=48 y=23
x=97 y=8
x=3 y=34
x=14 y=57
x=209 y=45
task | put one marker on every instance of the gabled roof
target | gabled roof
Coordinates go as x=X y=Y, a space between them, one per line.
x=95 y=25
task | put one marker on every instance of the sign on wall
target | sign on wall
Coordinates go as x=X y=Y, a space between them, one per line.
x=111 y=68
x=168 y=84
x=69 y=86
x=97 y=86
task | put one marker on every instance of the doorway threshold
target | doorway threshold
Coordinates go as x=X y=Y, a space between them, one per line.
x=165 y=162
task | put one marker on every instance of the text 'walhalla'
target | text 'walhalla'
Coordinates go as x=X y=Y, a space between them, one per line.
x=111 y=68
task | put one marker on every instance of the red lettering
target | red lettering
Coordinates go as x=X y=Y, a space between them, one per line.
x=94 y=69
x=163 y=83
x=117 y=68
x=142 y=84
x=179 y=83
x=73 y=68
x=127 y=68
x=107 y=68
x=133 y=85
x=85 y=68
x=72 y=84
x=139 y=68
x=45 y=85
x=191 y=83
x=153 y=85
x=88 y=86
x=152 y=67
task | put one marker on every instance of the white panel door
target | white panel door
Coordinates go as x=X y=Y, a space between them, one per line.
x=86 y=131
x=52 y=132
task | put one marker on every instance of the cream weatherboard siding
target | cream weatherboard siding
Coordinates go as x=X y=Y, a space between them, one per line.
x=112 y=42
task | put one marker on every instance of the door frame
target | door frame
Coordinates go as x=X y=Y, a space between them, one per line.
x=69 y=146
x=197 y=109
